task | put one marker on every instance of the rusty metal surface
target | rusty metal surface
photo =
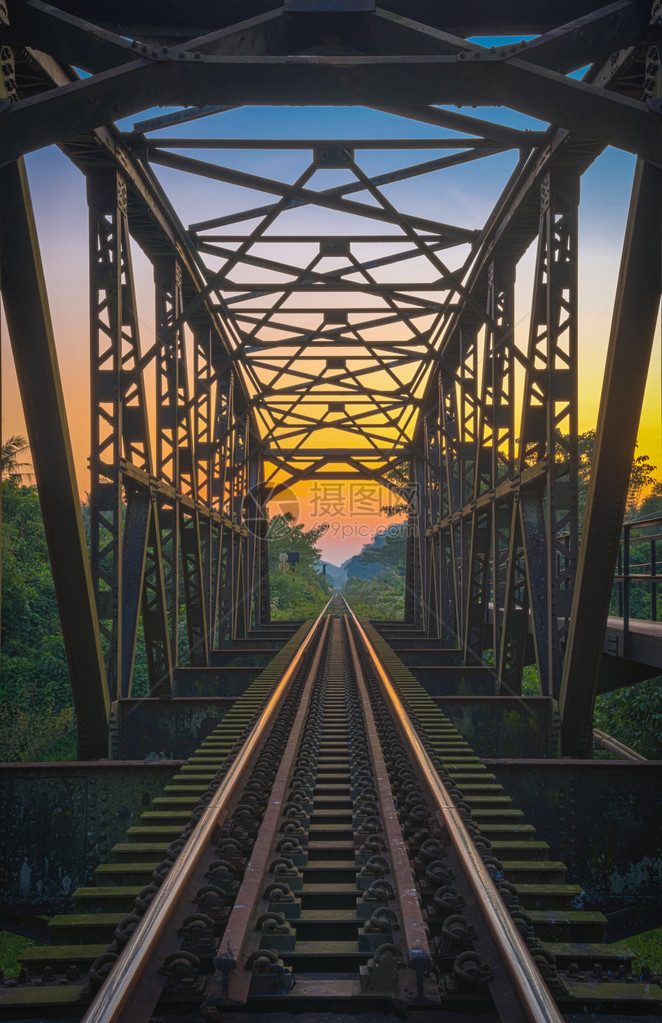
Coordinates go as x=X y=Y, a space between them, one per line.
x=504 y=726
x=602 y=818
x=59 y=821
x=528 y=998
x=414 y=929
x=456 y=446
x=238 y=945
x=164 y=729
x=118 y=997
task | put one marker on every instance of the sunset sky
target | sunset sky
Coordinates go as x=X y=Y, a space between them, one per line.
x=461 y=196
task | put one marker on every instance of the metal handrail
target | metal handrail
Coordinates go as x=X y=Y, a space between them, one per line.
x=616 y=747
x=538 y=1004
x=113 y=998
x=625 y=578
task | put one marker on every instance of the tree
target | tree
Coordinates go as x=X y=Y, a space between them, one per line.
x=303 y=592
x=381 y=597
x=10 y=466
x=34 y=676
x=641 y=476
x=284 y=536
x=651 y=506
x=387 y=550
x=376 y=583
x=400 y=476
x=633 y=715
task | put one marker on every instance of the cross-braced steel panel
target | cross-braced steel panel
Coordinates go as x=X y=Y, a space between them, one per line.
x=336 y=330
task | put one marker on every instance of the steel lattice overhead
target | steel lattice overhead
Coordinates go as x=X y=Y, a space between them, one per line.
x=325 y=339
x=325 y=322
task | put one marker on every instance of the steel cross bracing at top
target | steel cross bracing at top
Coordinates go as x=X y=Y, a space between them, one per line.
x=379 y=345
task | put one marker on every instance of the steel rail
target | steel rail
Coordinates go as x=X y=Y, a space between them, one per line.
x=413 y=927
x=536 y=1001
x=234 y=949
x=112 y=1000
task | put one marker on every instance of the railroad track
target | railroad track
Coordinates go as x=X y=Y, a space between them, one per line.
x=334 y=844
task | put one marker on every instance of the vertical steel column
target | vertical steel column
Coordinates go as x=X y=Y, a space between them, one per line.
x=501 y=309
x=440 y=580
x=548 y=443
x=155 y=608
x=433 y=485
x=167 y=279
x=468 y=408
x=226 y=606
x=630 y=342
x=422 y=499
x=106 y=196
x=562 y=513
x=188 y=412
x=479 y=523
x=240 y=569
x=176 y=465
x=194 y=590
x=264 y=599
x=126 y=557
x=33 y=346
x=257 y=542
x=515 y=624
x=202 y=426
x=450 y=539
x=223 y=624
x=8 y=92
x=252 y=512
x=412 y=604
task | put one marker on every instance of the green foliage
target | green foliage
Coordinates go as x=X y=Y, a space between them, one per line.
x=387 y=550
x=634 y=716
x=400 y=476
x=530 y=676
x=641 y=477
x=34 y=677
x=380 y=597
x=285 y=537
x=11 y=468
x=376 y=584
x=647 y=948
x=651 y=504
x=33 y=731
x=530 y=680
x=301 y=593
x=297 y=597
x=12 y=947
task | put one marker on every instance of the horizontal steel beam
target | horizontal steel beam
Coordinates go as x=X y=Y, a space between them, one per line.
x=331 y=453
x=331 y=286
x=479 y=80
x=133 y=139
x=318 y=239
x=196 y=17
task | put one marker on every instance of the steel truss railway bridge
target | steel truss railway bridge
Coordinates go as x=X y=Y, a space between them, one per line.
x=334 y=329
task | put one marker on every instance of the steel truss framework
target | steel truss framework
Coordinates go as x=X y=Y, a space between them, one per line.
x=381 y=349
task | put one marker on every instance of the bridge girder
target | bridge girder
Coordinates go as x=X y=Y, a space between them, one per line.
x=277 y=360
